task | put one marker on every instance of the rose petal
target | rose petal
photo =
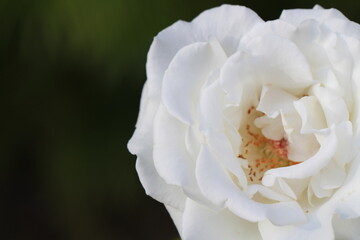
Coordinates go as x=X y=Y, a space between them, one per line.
x=172 y=161
x=156 y=187
x=355 y=114
x=275 y=27
x=177 y=216
x=346 y=228
x=211 y=108
x=167 y=43
x=265 y=192
x=348 y=197
x=200 y=222
x=265 y=60
x=302 y=147
x=346 y=27
x=193 y=140
x=310 y=37
x=141 y=145
x=273 y=100
x=346 y=144
x=222 y=149
x=283 y=56
x=187 y=72
x=271 y=128
x=297 y=16
x=227 y=24
x=311 y=114
x=313 y=229
x=318 y=191
x=238 y=80
x=307 y=168
x=317 y=226
x=218 y=187
x=334 y=107
x=332 y=176
x=163 y=49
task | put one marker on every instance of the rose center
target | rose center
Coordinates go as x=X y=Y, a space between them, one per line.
x=260 y=152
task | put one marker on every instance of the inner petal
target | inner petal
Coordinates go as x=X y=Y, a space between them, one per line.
x=261 y=152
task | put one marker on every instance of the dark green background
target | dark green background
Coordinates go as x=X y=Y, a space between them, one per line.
x=71 y=72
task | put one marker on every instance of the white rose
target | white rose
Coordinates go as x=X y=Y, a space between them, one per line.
x=250 y=129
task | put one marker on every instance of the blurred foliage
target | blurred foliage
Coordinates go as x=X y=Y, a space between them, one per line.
x=71 y=74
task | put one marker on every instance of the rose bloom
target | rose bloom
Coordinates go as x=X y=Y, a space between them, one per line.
x=250 y=129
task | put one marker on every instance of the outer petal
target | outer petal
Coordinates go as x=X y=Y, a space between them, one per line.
x=296 y=16
x=275 y=27
x=355 y=116
x=141 y=144
x=163 y=49
x=186 y=74
x=227 y=24
x=176 y=216
x=200 y=222
x=346 y=27
x=156 y=187
x=172 y=161
x=170 y=156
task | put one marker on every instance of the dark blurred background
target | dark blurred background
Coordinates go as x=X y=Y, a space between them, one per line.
x=71 y=73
